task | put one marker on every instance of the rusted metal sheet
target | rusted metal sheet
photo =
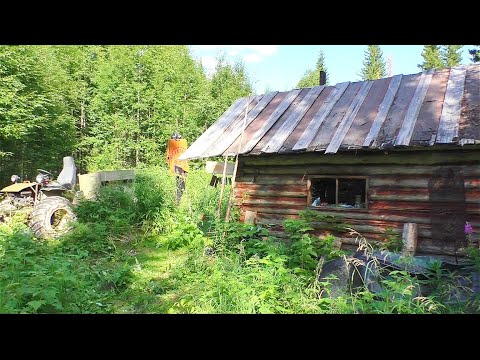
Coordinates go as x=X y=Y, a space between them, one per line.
x=363 y=122
x=383 y=111
x=391 y=125
x=451 y=110
x=347 y=120
x=426 y=126
x=302 y=125
x=317 y=121
x=258 y=122
x=415 y=110
x=469 y=126
x=326 y=131
x=408 y=124
x=276 y=142
x=235 y=128
x=282 y=119
x=270 y=122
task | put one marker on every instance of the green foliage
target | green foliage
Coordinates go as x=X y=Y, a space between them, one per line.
x=432 y=58
x=229 y=83
x=392 y=240
x=111 y=107
x=475 y=53
x=441 y=56
x=451 y=55
x=134 y=250
x=312 y=77
x=374 y=66
x=33 y=112
x=184 y=233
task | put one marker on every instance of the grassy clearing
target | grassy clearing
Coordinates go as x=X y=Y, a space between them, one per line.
x=134 y=251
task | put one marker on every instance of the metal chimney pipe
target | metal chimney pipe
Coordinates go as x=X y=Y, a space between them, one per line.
x=323 y=77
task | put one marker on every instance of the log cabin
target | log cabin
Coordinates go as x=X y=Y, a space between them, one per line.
x=374 y=154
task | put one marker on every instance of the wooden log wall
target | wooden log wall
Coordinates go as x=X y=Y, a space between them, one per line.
x=275 y=187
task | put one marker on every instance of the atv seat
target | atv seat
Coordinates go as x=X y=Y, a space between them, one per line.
x=67 y=179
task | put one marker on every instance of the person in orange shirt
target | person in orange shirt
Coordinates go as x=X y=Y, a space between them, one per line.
x=175 y=147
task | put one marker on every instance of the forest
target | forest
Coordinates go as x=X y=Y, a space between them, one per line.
x=135 y=248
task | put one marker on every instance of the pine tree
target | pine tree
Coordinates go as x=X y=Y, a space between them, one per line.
x=312 y=77
x=451 y=55
x=475 y=54
x=229 y=82
x=374 y=64
x=36 y=130
x=432 y=58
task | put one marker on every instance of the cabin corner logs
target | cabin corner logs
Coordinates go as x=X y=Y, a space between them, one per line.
x=436 y=189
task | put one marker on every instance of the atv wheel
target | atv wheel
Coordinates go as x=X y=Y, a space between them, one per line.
x=52 y=217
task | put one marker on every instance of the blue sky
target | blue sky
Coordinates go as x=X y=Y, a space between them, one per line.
x=279 y=67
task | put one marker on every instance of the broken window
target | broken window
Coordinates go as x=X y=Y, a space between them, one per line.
x=338 y=192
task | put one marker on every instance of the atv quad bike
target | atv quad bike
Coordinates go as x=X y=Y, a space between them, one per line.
x=46 y=201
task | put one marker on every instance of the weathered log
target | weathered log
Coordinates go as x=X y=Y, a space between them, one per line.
x=409 y=238
x=338 y=170
x=454 y=157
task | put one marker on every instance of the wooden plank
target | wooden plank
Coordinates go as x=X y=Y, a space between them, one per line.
x=279 y=123
x=364 y=170
x=297 y=187
x=116 y=175
x=259 y=121
x=426 y=157
x=326 y=131
x=216 y=167
x=384 y=108
x=271 y=179
x=428 y=118
x=366 y=115
x=214 y=131
x=390 y=127
x=271 y=210
x=299 y=202
x=290 y=142
x=272 y=194
x=448 y=127
x=312 y=128
x=225 y=141
x=406 y=130
x=379 y=215
x=347 y=120
x=469 y=127
x=289 y=125
x=271 y=121
x=239 y=120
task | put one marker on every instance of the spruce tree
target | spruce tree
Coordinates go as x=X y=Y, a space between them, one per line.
x=475 y=54
x=451 y=55
x=312 y=77
x=432 y=58
x=374 y=66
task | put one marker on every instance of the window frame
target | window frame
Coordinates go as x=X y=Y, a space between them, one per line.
x=336 y=177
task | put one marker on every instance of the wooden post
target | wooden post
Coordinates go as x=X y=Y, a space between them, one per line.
x=250 y=217
x=223 y=187
x=409 y=238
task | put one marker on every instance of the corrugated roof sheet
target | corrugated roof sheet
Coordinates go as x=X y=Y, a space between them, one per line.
x=424 y=109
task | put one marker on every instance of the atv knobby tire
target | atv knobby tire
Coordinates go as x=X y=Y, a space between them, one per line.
x=52 y=217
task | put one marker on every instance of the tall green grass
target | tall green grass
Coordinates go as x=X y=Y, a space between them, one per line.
x=134 y=249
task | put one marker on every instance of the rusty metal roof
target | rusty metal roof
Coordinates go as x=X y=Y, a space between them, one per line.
x=424 y=109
